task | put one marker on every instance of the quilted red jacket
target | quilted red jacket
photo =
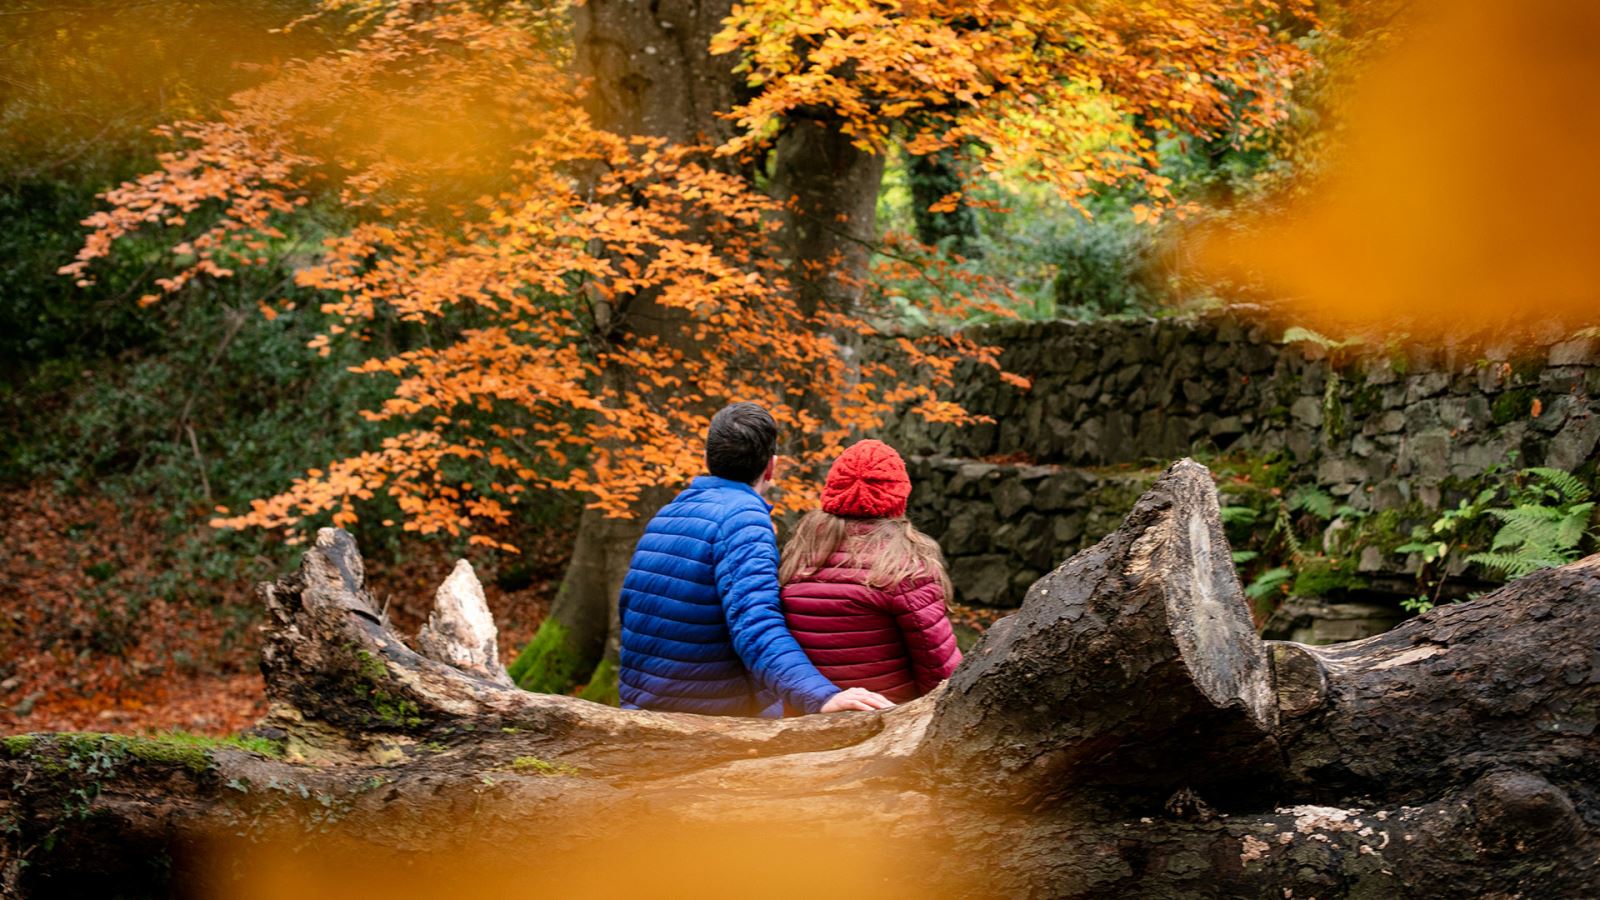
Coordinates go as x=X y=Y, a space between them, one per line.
x=895 y=641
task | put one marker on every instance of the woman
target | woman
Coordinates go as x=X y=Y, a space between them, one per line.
x=863 y=591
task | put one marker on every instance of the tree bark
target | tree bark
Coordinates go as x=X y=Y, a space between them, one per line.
x=652 y=70
x=1124 y=734
x=829 y=188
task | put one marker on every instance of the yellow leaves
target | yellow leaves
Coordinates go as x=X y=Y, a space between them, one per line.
x=964 y=73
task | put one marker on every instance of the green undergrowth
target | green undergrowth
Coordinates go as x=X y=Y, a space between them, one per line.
x=1293 y=538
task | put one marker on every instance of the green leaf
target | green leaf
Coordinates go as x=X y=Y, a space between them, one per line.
x=1267 y=582
x=1418 y=605
x=1240 y=557
x=1570 y=530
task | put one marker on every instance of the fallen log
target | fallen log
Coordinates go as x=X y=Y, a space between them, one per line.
x=1124 y=734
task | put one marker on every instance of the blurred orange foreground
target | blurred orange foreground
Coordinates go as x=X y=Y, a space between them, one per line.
x=1464 y=197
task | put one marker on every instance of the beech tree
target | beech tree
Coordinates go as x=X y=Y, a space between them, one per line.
x=578 y=202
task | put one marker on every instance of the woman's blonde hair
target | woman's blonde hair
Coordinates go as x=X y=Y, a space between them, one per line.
x=892 y=551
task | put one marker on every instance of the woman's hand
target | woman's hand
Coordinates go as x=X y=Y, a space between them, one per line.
x=856 y=698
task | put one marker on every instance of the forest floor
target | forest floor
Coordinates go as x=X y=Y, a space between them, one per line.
x=104 y=627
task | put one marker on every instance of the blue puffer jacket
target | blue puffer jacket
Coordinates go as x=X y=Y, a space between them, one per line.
x=702 y=630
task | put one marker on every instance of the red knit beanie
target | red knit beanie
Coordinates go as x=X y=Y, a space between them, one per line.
x=867 y=481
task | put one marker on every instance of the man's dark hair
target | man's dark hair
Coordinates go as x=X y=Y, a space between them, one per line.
x=740 y=442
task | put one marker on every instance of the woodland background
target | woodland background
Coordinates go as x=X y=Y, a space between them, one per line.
x=131 y=426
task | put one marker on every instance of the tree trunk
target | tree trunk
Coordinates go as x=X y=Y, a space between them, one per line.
x=830 y=190
x=651 y=76
x=1124 y=734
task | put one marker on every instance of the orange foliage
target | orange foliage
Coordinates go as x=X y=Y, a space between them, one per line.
x=600 y=296
x=1068 y=91
x=560 y=249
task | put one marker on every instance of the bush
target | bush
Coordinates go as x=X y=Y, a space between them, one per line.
x=1106 y=267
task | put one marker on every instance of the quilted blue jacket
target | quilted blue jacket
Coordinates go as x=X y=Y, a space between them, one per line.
x=702 y=630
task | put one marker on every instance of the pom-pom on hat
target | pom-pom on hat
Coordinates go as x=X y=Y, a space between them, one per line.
x=867 y=481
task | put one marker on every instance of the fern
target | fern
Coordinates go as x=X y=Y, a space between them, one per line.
x=1528 y=521
x=1571 y=529
x=1283 y=528
x=1546 y=528
x=1297 y=333
x=1569 y=486
x=1514 y=565
x=1313 y=500
x=1237 y=515
x=1267 y=583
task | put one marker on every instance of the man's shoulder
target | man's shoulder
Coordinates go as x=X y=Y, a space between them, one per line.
x=710 y=506
x=719 y=496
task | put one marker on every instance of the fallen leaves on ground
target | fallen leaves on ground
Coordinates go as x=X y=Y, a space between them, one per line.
x=97 y=634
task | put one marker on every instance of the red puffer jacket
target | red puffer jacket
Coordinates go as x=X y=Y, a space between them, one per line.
x=895 y=641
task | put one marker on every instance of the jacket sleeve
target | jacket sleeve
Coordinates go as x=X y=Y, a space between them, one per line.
x=919 y=610
x=746 y=557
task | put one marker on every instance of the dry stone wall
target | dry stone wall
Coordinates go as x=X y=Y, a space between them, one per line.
x=1112 y=402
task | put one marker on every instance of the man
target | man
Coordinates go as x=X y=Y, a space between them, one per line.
x=702 y=630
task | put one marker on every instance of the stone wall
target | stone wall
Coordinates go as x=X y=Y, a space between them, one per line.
x=1113 y=402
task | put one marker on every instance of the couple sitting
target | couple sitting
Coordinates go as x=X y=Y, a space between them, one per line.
x=853 y=617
